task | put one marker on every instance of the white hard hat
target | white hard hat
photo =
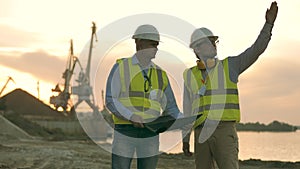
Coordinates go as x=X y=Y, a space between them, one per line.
x=200 y=34
x=148 y=32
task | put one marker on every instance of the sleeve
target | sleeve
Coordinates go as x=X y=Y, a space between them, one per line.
x=171 y=107
x=113 y=90
x=187 y=110
x=244 y=60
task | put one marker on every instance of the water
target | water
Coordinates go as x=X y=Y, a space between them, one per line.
x=278 y=146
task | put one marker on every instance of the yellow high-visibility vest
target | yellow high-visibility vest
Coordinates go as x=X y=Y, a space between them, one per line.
x=220 y=100
x=133 y=95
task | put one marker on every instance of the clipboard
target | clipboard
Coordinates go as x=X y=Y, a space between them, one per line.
x=167 y=122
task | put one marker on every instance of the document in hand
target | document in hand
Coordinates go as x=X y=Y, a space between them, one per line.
x=167 y=122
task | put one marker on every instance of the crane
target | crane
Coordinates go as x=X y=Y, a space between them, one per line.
x=84 y=90
x=63 y=97
x=9 y=79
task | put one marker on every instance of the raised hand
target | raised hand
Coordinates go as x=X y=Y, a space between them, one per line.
x=271 y=13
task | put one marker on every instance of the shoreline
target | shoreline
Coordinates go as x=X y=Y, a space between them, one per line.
x=245 y=160
x=244 y=164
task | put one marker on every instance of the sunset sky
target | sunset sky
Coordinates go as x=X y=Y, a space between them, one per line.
x=35 y=39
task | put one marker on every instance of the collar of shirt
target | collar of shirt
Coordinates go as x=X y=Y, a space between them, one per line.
x=136 y=61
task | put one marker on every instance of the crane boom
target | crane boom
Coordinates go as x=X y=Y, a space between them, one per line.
x=88 y=67
x=84 y=90
x=9 y=78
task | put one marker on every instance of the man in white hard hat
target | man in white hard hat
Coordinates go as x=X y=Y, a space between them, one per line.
x=136 y=91
x=210 y=90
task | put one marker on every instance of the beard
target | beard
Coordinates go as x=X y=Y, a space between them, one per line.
x=209 y=61
x=148 y=53
x=205 y=57
x=206 y=53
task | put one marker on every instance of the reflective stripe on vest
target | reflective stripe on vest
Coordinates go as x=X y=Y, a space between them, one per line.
x=133 y=96
x=220 y=101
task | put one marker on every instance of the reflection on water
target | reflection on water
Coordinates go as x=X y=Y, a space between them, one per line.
x=279 y=146
x=283 y=146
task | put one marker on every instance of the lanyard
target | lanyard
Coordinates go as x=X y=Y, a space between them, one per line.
x=147 y=82
x=204 y=77
x=206 y=74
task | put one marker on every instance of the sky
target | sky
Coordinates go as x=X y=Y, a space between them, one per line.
x=35 y=35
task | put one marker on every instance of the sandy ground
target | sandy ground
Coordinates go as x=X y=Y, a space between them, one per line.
x=75 y=154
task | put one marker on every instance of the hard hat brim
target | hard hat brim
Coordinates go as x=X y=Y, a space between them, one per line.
x=192 y=45
x=148 y=36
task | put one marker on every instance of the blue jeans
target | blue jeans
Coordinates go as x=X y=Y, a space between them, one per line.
x=131 y=142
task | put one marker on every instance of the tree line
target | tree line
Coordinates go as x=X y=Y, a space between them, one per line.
x=275 y=126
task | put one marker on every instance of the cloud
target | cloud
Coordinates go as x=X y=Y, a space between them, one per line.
x=280 y=79
x=277 y=75
x=12 y=37
x=271 y=89
x=39 y=64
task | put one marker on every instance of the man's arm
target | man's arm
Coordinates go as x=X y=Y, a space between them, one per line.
x=113 y=90
x=171 y=107
x=241 y=62
x=187 y=109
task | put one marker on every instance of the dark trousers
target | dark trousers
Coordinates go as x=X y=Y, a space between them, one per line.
x=217 y=142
